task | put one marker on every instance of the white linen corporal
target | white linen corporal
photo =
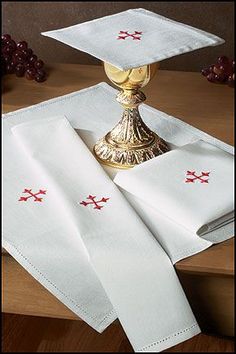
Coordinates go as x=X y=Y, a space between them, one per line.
x=192 y=185
x=134 y=270
x=93 y=119
x=134 y=38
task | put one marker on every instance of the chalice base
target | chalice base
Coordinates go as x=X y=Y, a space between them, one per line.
x=126 y=157
x=129 y=143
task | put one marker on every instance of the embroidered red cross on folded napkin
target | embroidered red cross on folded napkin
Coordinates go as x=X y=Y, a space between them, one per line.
x=192 y=185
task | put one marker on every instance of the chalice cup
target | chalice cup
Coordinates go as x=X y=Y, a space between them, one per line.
x=130 y=142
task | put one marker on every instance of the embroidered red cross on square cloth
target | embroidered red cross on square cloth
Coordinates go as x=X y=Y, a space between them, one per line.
x=202 y=178
x=125 y=34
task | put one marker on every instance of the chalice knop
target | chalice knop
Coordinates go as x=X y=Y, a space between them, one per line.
x=130 y=142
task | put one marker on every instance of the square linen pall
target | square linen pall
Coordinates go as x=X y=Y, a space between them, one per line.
x=134 y=270
x=134 y=38
x=191 y=185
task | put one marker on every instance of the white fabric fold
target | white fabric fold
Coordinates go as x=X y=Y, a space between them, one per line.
x=134 y=270
x=192 y=185
x=175 y=239
x=134 y=38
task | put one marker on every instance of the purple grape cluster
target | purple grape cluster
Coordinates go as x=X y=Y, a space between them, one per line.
x=17 y=58
x=222 y=72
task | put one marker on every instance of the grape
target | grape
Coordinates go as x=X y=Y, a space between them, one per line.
x=223 y=60
x=205 y=72
x=38 y=64
x=217 y=69
x=10 y=69
x=19 y=56
x=20 y=70
x=9 y=47
x=24 y=51
x=40 y=78
x=21 y=60
x=30 y=74
x=220 y=78
x=7 y=59
x=221 y=72
x=7 y=50
x=28 y=65
x=12 y=44
x=33 y=58
x=29 y=52
x=41 y=72
x=211 y=77
x=222 y=68
x=22 y=45
x=211 y=68
x=13 y=61
x=6 y=37
x=227 y=69
x=223 y=77
x=230 y=81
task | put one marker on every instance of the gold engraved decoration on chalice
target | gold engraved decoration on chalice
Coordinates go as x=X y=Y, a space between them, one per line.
x=130 y=142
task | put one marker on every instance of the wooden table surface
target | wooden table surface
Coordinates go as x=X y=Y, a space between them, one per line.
x=186 y=95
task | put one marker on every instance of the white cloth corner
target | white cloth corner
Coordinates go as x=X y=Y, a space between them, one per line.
x=134 y=270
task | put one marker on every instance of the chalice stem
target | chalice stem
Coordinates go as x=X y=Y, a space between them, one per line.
x=130 y=142
x=131 y=130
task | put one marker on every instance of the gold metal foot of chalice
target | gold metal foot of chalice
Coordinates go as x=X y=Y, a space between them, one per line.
x=130 y=142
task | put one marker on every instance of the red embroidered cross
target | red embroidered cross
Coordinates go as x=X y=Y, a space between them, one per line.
x=195 y=177
x=124 y=34
x=94 y=202
x=36 y=199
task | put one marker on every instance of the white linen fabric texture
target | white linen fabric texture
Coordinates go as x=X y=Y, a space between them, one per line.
x=93 y=119
x=192 y=185
x=134 y=38
x=134 y=270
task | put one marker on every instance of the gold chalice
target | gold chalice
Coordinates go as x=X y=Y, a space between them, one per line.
x=130 y=142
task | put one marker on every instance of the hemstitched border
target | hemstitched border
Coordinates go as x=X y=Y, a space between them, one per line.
x=99 y=323
x=169 y=337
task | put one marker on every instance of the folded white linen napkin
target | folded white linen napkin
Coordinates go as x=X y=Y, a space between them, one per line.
x=134 y=270
x=40 y=236
x=192 y=185
x=134 y=38
x=93 y=119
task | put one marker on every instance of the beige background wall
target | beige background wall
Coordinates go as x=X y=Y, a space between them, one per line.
x=25 y=21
